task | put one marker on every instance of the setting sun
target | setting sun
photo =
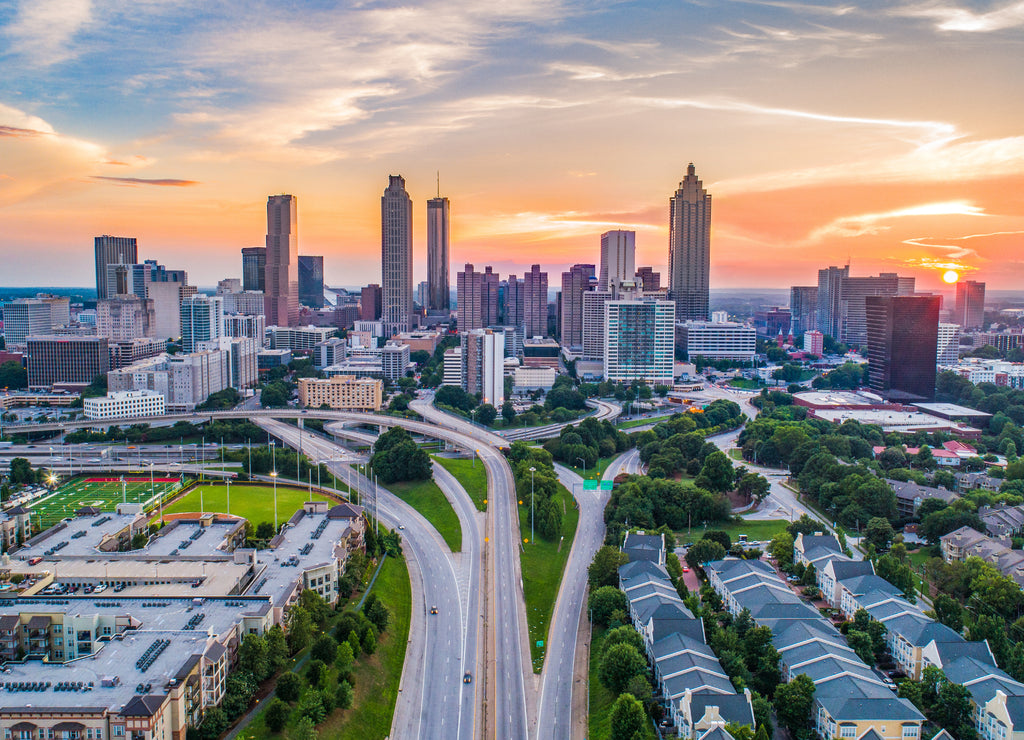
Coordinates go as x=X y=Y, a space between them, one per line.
x=950 y=276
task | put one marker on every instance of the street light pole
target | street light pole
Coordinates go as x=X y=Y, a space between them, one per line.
x=273 y=475
x=532 y=471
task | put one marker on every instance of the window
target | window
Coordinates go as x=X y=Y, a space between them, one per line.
x=910 y=730
x=847 y=731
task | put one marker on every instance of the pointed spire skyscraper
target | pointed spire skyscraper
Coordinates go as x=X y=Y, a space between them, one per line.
x=689 y=248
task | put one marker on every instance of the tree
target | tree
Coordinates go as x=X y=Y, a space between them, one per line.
x=265 y=530
x=344 y=659
x=13 y=375
x=345 y=695
x=754 y=486
x=508 y=412
x=628 y=717
x=254 y=656
x=862 y=645
x=717 y=535
x=214 y=723
x=781 y=548
x=397 y=457
x=953 y=710
x=300 y=629
x=717 y=474
x=704 y=551
x=486 y=414
x=318 y=609
x=604 y=602
x=21 y=471
x=377 y=613
x=316 y=674
x=369 y=641
x=289 y=686
x=949 y=612
x=793 y=704
x=325 y=648
x=604 y=569
x=879 y=532
x=622 y=635
x=277 y=715
x=618 y=665
x=277 y=648
x=306 y=729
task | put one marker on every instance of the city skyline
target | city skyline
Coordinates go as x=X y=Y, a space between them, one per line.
x=523 y=109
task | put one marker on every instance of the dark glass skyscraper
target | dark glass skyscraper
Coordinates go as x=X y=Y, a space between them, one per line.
x=112 y=250
x=311 y=281
x=254 y=268
x=689 y=248
x=438 y=285
x=902 y=338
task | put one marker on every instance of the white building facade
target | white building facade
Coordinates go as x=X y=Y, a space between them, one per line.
x=125 y=405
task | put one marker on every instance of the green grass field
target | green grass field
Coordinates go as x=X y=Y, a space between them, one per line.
x=97 y=491
x=428 y=500
x=473 y=477
x=756 y=530
x=542 y=565
x=253 y=502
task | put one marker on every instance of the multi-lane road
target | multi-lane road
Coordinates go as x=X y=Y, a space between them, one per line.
x=605 y=410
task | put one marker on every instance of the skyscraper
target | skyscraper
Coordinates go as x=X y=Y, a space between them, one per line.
x=396 y=256
x=24 y=318
x=852 y=293
x=370 y=303
x=803 y=308
x=535 y=302
x=254 y=268
x=948 y=350
x=512 y=311
x=282 y=278
x=647 y=279
x=112 y=250
x=575 y=282
x=470 y=293
x=311 y=281
x=830 y=317
x=970 y=304
x=202 y=319
x=438 y=288
x=618 y=259
x=902 y=342
x=689 y=248
x=639 y=341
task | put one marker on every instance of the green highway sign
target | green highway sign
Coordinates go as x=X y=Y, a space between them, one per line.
x=607 y=485
x=590 y=485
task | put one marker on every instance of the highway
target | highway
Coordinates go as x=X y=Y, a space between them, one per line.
x=609 y=410
x=434 y=702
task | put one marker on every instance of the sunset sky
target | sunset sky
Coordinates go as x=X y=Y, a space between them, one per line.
x=886 y=132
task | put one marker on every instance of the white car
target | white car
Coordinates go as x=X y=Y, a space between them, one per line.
x=100 y=589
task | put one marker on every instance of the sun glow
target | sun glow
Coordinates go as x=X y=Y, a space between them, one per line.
x=950 y=276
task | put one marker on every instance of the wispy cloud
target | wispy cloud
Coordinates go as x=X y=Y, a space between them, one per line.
x=965 y=20
x=865 y=224
x=43 y=30
x=162 y=182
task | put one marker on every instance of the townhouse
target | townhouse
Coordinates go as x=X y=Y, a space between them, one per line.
x=850 y=699
x=700 y=697
x=966 y=542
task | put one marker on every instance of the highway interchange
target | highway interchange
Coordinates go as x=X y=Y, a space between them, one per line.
x=480 y=628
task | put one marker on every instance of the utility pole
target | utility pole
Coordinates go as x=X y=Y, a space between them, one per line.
x=532 y=471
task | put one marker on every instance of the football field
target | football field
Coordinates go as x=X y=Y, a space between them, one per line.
x=102 y=492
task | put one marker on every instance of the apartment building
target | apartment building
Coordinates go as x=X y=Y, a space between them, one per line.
x=124 y=405
x=341 y=393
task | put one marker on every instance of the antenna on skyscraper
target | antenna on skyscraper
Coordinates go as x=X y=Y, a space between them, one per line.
x=439 y=183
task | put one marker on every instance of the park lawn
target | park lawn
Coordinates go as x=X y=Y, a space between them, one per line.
x=430 y=501
x=472 y=477
x=375 y=677
x=252 y=502
x=756 y=530
x=597 y=470
x=80 y=491
x=542 y=565
x=599 y=723
x=746 y=383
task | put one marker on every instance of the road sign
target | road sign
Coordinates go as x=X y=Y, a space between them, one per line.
x=607 y=485
x=540 y=643
x=590 y=485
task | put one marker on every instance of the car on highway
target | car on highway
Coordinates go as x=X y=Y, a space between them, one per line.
x=467 y=677
x=433 y=610
x=401 y=526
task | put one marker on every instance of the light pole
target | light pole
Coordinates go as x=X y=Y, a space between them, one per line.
x=584 y=466
x=228 y=480
x=532 y=471
x=273 y=475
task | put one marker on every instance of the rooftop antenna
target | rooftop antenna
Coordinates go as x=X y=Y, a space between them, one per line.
x=439 y=183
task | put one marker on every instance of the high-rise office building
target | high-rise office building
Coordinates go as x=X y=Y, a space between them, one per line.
x=129 y=279
x=577 y=281
x=689 y=248
x=311 y=281
x=122 y=318
x=202 y=319
x=830 y=315
x=948 y=349
x=970 y=304
x=254 y=268
x=396 y=256
x=852 y=293
x=422 y=294
x=648 y=280
x=902 y=344
x=112 y=250
x=166 y=298
x=370 y=303
x=438 y=287
x=535 y=302
x=618 y=259
x=60 y=308
x=282 y=277
x=24 y=318
x=803 y=308
x=639 y=341
x=75 y=360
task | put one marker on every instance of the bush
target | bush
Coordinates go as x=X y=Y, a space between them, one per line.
x=277 y=715
x=289 y=686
